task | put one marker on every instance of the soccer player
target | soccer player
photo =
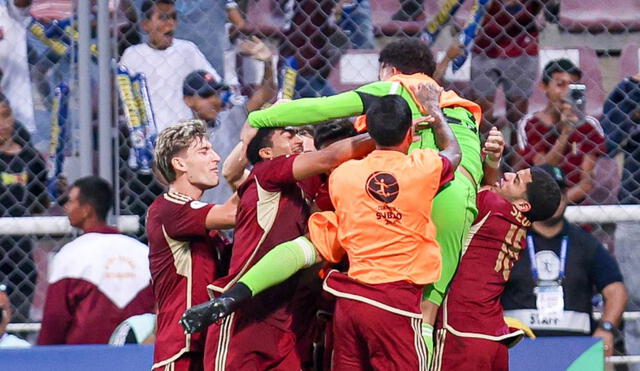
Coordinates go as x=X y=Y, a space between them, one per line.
x=383 y=223
x=404 y=65
x=184 y=248
x=471 y=333
x=271 y=332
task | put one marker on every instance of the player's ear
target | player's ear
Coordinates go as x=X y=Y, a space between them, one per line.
x=266 y=153
x=178 y=164
x=522 y=205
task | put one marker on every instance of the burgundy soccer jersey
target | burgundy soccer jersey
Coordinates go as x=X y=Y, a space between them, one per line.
x=182 y=259
x=534 y=137
x=472 y=304
x=271 y=211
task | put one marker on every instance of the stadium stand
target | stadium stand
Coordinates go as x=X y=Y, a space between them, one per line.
x=598 y=16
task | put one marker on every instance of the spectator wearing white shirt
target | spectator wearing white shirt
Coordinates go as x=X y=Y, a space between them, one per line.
x=165 y=61
x=8 y=340
x=15 y=82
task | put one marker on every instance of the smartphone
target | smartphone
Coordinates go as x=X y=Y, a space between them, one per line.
x=576 y=97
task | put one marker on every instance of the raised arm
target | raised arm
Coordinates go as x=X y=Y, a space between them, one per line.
x=267 y=90
x=493 y=148
x=429 y=97
x=312 y=163
x=234 y=168
x=223 y=216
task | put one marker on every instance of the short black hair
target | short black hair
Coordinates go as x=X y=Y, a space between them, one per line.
x=409 y=56
x=96 y=192
x=260 y=141
x=330 y=132
x=388 y=120
x=543 y=194
x=559 y=66
x=146 y=9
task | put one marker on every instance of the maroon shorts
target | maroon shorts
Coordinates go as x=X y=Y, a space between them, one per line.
x=465 y=353
x=250 y=346
x=367 y=337
x=187 y=362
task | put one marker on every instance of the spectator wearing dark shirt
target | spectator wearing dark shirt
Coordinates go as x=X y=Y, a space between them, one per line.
x=505 y=52
x=621 y=123
x=555 y=135
x=23 y=180
x=586 y=269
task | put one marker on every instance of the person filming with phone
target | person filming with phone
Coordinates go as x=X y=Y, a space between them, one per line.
x=562 y=134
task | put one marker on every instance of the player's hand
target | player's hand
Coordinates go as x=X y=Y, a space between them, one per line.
x=197 y=318
x=256 y=49
x=422 y=123
x=494 y=145
x=429 y=95
x=607 y=338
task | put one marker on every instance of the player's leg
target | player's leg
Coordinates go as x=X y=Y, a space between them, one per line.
x=349 y=347
x=454 y=210
x=282 y=262
x=462 y=353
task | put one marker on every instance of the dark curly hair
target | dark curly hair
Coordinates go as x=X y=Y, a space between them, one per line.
x=409 y=56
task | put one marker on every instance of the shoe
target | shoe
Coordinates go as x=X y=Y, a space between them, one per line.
x=199 y=317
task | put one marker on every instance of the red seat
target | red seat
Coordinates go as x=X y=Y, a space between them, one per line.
x=600 y=16
x=630 y=60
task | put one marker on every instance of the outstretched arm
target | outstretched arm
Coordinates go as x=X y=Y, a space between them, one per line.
x=312 y=163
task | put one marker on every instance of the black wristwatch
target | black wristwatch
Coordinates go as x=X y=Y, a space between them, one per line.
x=607 y=326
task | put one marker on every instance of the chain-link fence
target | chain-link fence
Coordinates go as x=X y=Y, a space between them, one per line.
x=554 y=76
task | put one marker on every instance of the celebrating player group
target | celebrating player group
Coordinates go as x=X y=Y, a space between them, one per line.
x=386 y=250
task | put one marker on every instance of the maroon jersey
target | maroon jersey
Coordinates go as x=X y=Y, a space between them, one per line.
x=272 y=210
x=472 y=306
x=182 y=259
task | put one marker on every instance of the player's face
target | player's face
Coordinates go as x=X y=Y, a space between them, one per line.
x=206 y=109
x=77 y=212
x=513 y=186
x=285 y=142
x=201 y=164
x=161 y=26
x=307 y=141
x=558 y=87
x=6 y=123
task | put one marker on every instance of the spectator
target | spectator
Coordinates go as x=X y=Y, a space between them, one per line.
x=314 y=43
x=203 y=23
x=410 y=10
x=505 y=52
x=97 y=280
x=23 y=179
x=15 y=81
x=354 y=18
x=8 y=340
x=621 y=123
x=555 y=136
x=208 y=99
x=165 y=61
x=588 y=268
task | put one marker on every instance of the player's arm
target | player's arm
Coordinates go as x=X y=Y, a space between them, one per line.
x=493 y=148
x=429 y=97
x=57 y=316
x=223 y=216
x=312 y=163
x=267 y=90
x=234 y=168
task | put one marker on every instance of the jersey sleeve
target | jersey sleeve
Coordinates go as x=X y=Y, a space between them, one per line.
x=447 y=172
x=200 y=62
x=276 y=174
x=306 y=111
x=188 y=220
